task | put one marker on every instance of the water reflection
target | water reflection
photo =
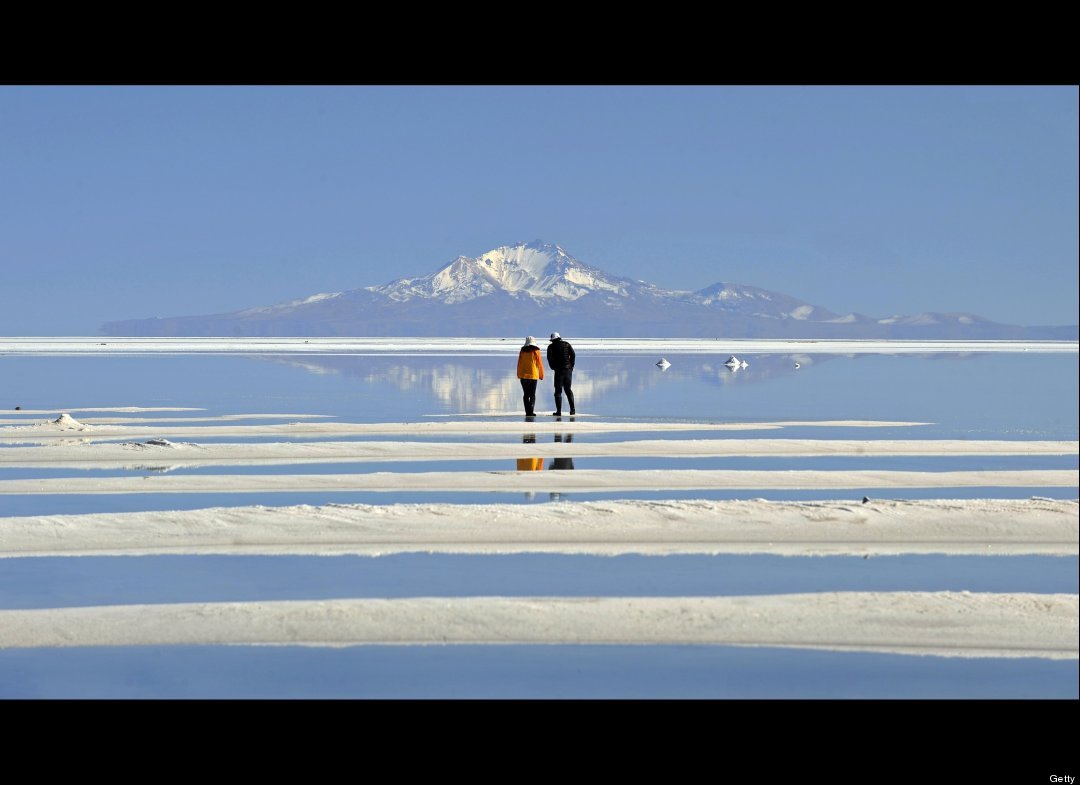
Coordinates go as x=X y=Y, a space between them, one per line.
x=489 y=385
x=529 y=464
x=967 y=394
x=535 y=464
x=563 y=463
x=483 y=385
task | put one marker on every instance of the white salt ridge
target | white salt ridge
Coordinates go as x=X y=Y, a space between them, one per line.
x=952 y=624
x=188 y=420
x=132 y=409
x=577 y=481
x=880 y=527
x=546 y=425
x=163 y=443
x=101 y=455
x=65 y=422
x=60 y=428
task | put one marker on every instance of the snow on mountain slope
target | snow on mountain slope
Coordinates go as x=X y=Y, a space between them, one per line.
x=930 y=319
x=541 y=270
x=289 y=306
x=751 y=301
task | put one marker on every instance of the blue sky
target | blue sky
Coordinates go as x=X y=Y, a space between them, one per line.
x=127 y=202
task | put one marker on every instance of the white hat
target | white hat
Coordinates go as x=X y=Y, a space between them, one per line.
x=555 y=335
x=530 y=340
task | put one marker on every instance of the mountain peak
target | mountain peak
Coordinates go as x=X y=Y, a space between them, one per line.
x=536 y=269
x=539 y=245
x=543 y=246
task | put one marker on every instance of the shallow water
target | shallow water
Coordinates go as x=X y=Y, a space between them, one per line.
x=679 y=672
x=1002 y=396
x=47 y=582
x=1024 y=396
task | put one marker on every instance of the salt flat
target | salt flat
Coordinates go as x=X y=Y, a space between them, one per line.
x=577 y=481
x=96 y=455
x=114 y=420
x=879 y=527
x=952 y=624
x=1006 y=624
x=66 y=427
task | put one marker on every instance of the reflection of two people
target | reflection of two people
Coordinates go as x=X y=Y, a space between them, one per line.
x=529 y=464
x=563 y=463
x=537 y=464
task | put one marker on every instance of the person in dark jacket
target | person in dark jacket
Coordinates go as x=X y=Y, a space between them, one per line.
x=561 y=357
x=530 y=369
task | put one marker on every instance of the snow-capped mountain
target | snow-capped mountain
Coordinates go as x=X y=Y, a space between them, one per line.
x=540 y=270
x=538 y=287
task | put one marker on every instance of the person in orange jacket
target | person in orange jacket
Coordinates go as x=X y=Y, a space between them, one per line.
x=530 y=369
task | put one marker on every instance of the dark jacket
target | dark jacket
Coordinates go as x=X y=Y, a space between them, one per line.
x=560 y=355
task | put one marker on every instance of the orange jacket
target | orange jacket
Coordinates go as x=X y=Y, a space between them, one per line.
x=530 y=464
x=530 y=365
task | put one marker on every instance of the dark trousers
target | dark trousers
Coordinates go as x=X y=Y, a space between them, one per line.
x=528 y=389
x=563 y=378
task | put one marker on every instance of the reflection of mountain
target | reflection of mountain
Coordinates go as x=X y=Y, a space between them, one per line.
x=460 y=387
x=479 y=384
x=488 y=385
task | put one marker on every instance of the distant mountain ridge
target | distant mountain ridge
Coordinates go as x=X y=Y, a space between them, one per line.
x=538 y=287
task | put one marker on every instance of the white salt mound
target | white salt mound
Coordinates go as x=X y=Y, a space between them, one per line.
x=65 y=420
